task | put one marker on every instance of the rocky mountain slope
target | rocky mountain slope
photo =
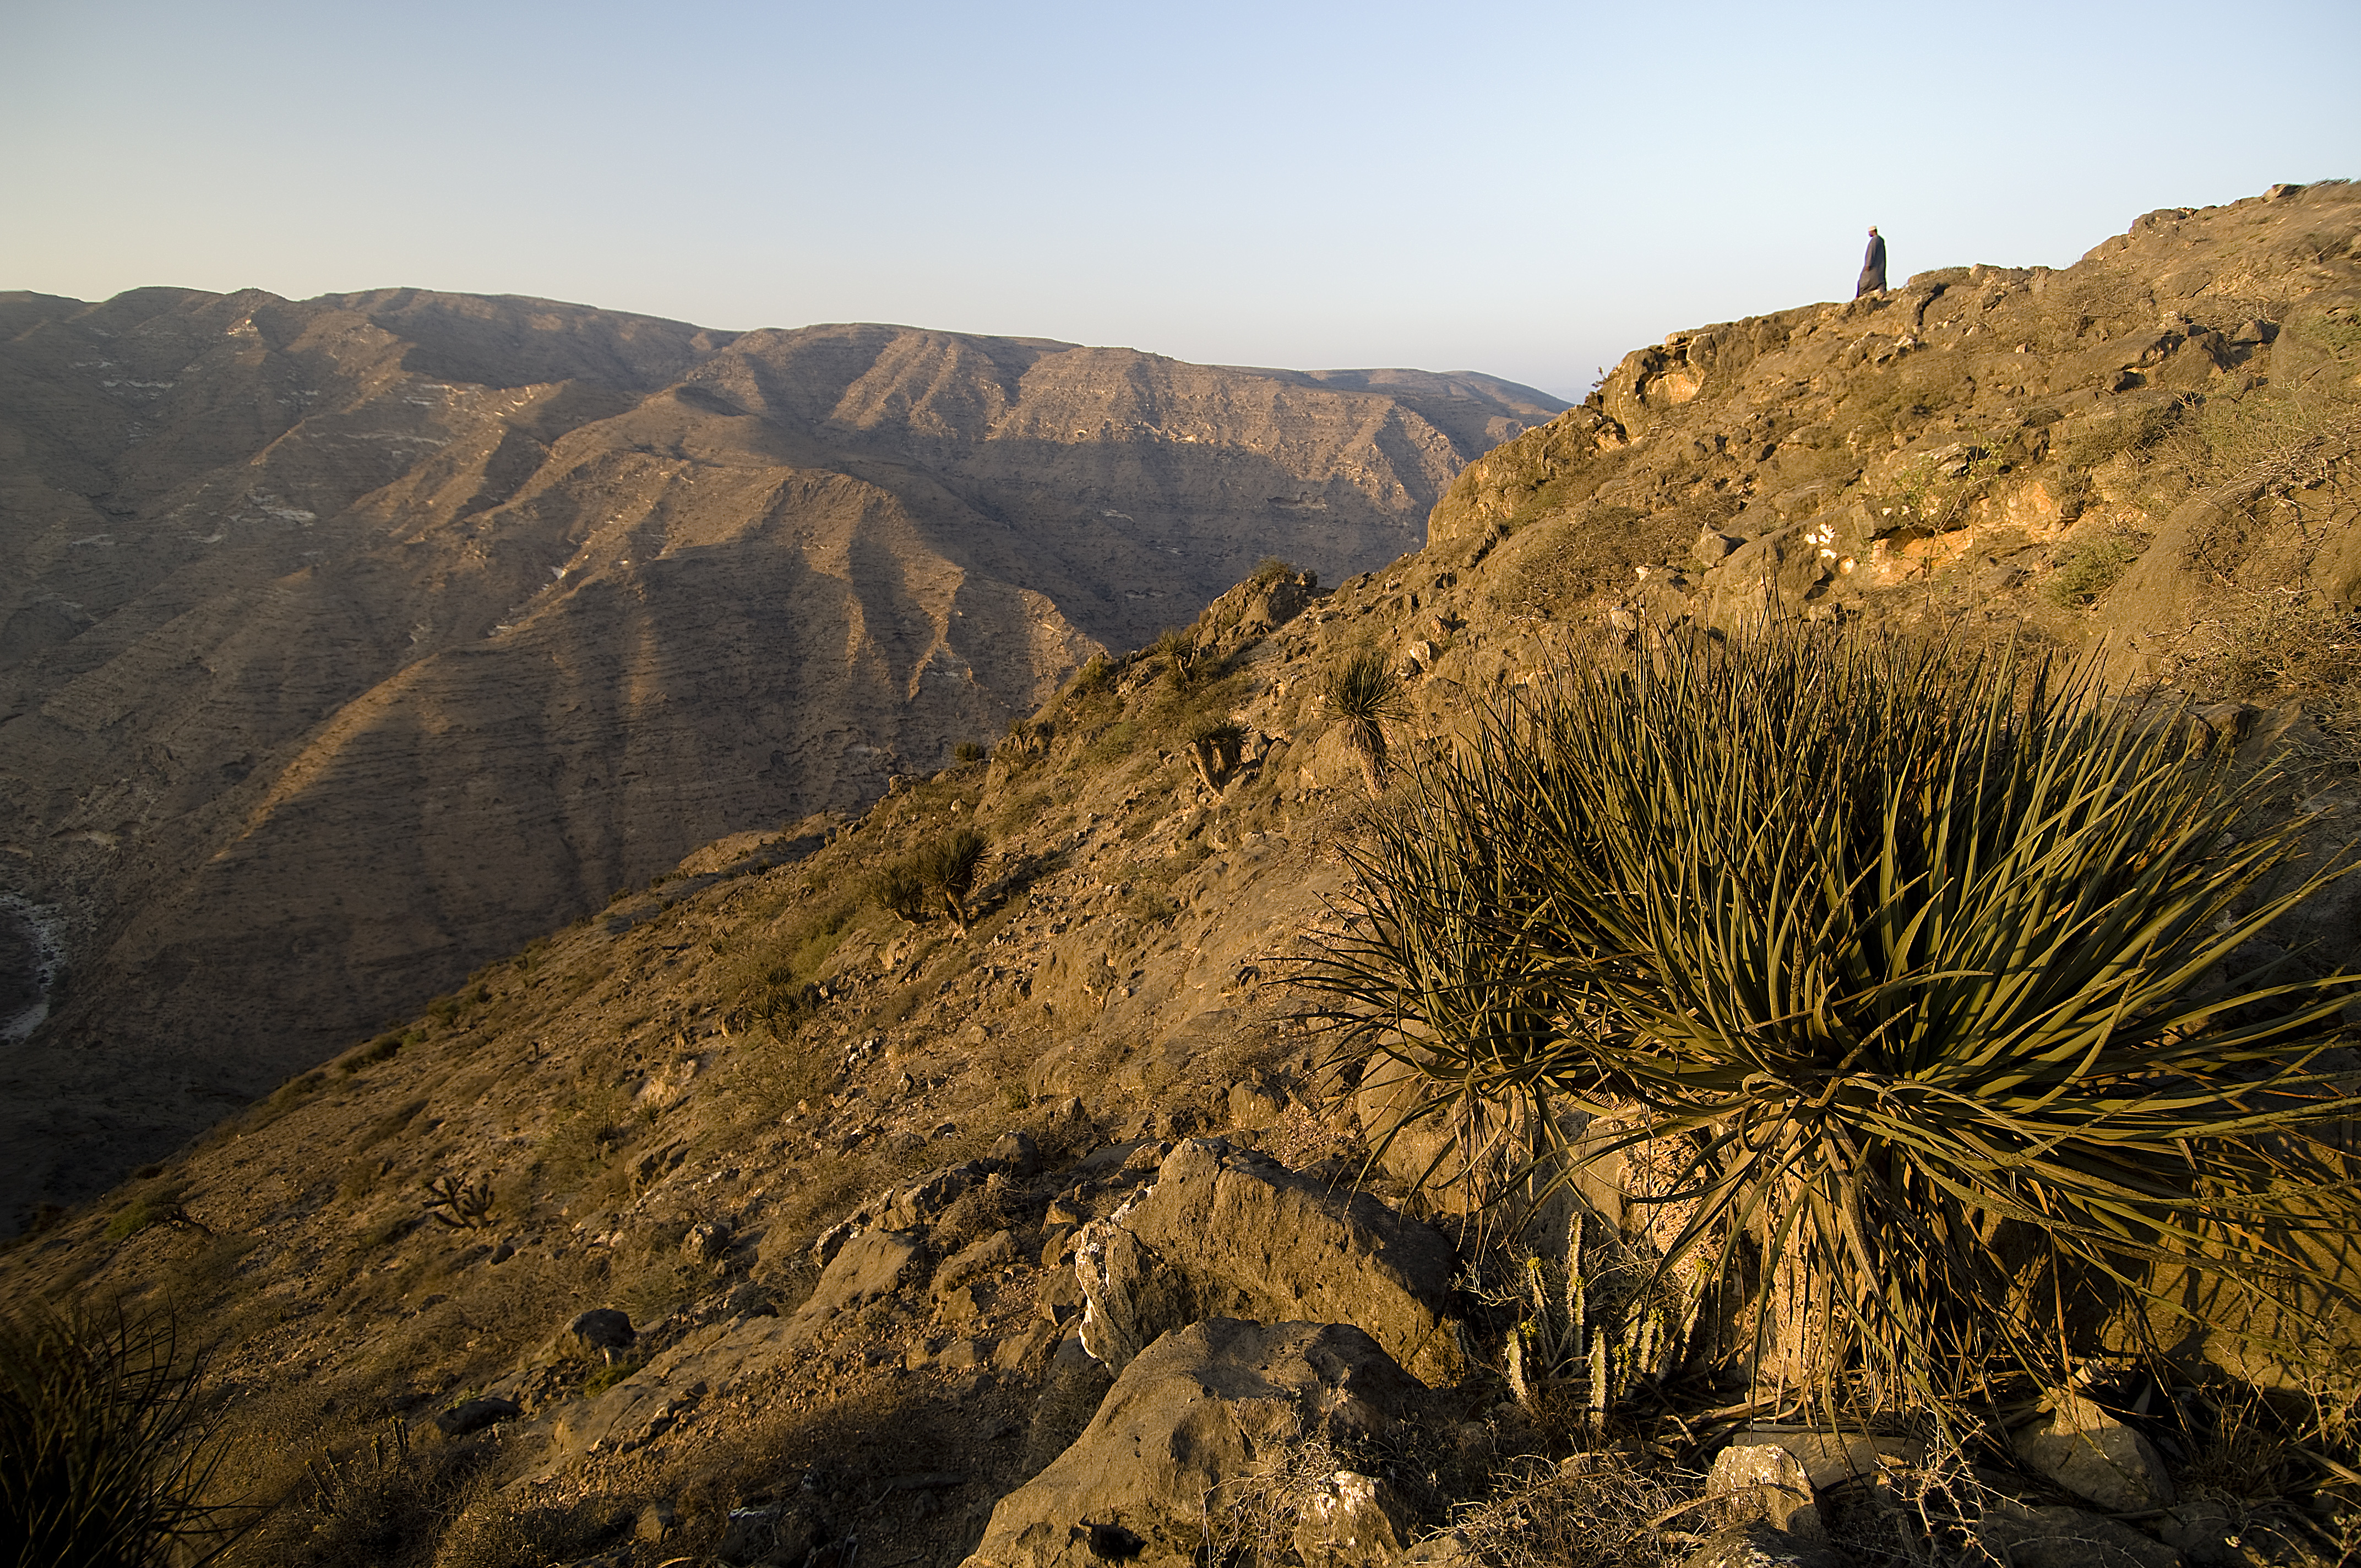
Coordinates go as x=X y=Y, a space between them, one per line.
x=2151 y=450
x=345 y=643
x=751 y=1220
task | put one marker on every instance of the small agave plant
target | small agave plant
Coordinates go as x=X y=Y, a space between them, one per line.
x=1364 y=694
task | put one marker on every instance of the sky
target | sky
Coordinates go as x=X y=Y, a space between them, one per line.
x=1528 y=191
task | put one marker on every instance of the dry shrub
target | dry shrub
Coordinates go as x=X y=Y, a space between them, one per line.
x=1598 y=1510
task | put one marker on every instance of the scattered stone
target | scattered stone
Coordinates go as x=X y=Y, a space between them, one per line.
x=774 y=1532
x=1764 y=1481
x=1020 y=1351
x=963 y=1356
x=657 y=1522
x=706 y=1242
x=647 y=1403
x=1016 y=1153
x=997 y=1250
x=1759 y=1545
x=2093 y=1455
x=474 y=1415
x=2067 y=1537
x=1252 y=1105
x=1205 y=1404
x=1226 y=1232
x=604 y=1332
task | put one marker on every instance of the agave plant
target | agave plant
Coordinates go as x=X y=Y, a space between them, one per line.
x=1187 y=659
x=1365 y=695
x=1216 y=746
x=948 y=865
x=103 y=1458
x=900 y=889
x=1906 y=953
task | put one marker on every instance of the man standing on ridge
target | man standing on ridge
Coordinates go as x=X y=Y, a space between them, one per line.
x=1873 y=267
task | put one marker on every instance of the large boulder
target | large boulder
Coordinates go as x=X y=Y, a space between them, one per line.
x=1225 y=1232
x=2093 y=1455
x=2066 y=1538
x=1203 y=1406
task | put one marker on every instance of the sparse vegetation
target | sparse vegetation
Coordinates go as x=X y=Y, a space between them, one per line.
x=1186 y=660
x=1216 y=746
x=2089 y=566
x=899 y=889
x=462 y=1203
x=947 y=867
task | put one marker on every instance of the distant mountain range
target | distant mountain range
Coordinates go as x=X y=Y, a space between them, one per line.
x=345 y=643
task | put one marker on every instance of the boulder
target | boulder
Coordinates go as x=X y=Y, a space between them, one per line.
x=1759 y=1545
x=706 y=1242
x=657 y=1522
x=1831 y=1460
x=1764 y=1481
x=2093 y=1455
x=474 y=1415
x=1225 y=1232
x=980 y=1257
x=1205 y=1405
x=2066 y=1538
x=604 y=1332
x=1017 y=1155
x=1349 y=1518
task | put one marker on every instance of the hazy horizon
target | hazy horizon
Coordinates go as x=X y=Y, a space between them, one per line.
x=1314 y=187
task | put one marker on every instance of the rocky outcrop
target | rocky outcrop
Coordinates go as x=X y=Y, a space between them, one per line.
x=1229 y=1234
x=1202 y=1407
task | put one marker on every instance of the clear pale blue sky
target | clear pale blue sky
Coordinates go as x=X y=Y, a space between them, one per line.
x=1528 y=191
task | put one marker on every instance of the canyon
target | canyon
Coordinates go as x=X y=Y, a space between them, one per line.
x=345 y=643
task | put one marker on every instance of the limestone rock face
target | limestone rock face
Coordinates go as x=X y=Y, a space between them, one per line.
x=346 y=643
x=1230 y=1233
x=1203 y=1406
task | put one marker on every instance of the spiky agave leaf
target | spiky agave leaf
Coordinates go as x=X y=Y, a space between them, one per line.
x=1905 y=943
x=949 y=865
x=1365 y=694
x=104 y=1458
